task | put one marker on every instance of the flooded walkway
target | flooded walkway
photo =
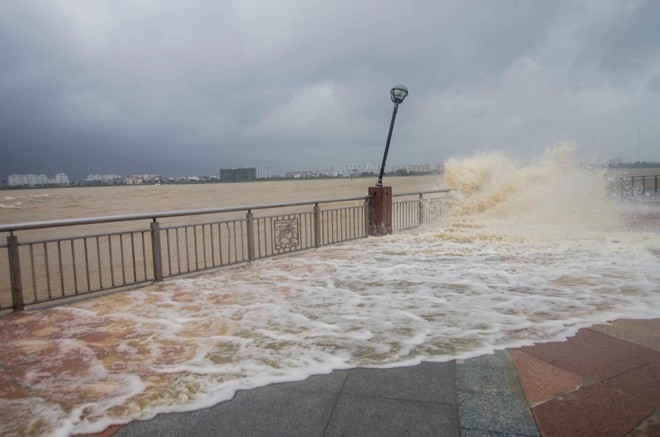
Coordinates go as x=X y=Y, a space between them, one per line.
x=604 y=381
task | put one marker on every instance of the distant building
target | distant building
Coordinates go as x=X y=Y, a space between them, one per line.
x=102 y=177
x=32 y=180
x=61 y=179
x=238 y=174
x=348 y=170
x=302 y=174
x=412 y=168
x=263 y=173
x=141 y=179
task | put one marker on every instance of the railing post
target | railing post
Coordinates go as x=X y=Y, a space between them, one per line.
x=250 y=234
x=156 y=250
x=317 y=226
x=15 y=273
x=380 y=211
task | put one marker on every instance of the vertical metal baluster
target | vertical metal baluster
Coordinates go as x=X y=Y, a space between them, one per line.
x=34 y=274
x=184 y=230
x=89 y=284
x=212 y=246
x=73 y=261
x=204 y=245
x=50 y=296
x=98 y=260
x=220 y=243
x=144 y=257
x=169 y=253
x=123 y=261
x=194 y=233
x=61 y=267
x=133 y=259
x=238 y=235
x=229 y=238
x=178 y=249
x=112 y=268
x=259 y=253
x=334 y=224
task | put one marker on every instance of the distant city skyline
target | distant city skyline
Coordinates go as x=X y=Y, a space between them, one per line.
x=262 y=172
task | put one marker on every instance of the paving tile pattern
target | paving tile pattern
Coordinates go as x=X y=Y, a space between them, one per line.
x=605 y=381
x=410 y=401
x=490 y=398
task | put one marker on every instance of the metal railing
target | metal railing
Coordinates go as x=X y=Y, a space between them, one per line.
x=412 y=213
x=66 y=258
x=640 y=185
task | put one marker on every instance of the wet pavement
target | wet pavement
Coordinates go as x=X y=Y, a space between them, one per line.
x=604 y=381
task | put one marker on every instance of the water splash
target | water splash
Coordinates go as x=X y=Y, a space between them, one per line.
x=552 y=195
x=523 y=254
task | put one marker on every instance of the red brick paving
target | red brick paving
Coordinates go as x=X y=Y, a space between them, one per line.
x=542 y=381
x=643 y=383
x=594 y=384
x=594 y=356
x=591 y=411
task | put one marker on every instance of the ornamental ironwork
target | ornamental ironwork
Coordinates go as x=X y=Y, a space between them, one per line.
x=286 y=232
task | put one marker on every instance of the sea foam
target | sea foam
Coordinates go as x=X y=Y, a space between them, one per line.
x=521 y=254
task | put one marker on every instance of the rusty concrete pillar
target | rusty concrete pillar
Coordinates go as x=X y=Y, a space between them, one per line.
x=380 y=211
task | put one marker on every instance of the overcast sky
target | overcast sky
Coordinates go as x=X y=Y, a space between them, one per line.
x=188 y=87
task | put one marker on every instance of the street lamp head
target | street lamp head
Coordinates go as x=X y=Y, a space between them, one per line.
x=398 y=93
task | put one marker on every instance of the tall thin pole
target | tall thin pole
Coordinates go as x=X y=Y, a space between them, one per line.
x=638 y=135
x=387 y=146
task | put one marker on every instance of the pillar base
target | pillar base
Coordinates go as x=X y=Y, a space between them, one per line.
x=380 y=211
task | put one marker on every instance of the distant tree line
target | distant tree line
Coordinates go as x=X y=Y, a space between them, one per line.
x=638 y=164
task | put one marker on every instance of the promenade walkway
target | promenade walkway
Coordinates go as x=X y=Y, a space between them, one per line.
x=605 y=381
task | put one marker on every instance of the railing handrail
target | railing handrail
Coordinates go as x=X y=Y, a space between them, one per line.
x=163 y=214
x=417 y=193
x=11 y=227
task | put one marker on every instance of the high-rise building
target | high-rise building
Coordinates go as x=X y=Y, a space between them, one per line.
x=238 y=174
x=263 y=173
x=61 y=179
x=31 y=180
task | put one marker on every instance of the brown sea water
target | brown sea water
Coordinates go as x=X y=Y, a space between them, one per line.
x=17 y=206
x=523 y=253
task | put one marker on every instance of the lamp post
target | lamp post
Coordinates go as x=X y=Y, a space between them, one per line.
x=398 y=93
x=380 y=198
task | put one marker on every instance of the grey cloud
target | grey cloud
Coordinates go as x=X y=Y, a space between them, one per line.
x=126 y=87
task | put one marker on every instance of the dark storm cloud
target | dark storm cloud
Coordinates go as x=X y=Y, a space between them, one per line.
x=186 y=88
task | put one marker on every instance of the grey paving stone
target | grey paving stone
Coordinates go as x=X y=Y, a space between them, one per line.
x=275 y=410
x=490 y=398
x=485 y=379
x=163 y=425
x=329 y=383
x=498 y=359
x=426 y=382
x=498 y=413
x=366 y=416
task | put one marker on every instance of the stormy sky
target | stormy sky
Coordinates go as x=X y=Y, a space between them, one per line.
x=188 y=87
